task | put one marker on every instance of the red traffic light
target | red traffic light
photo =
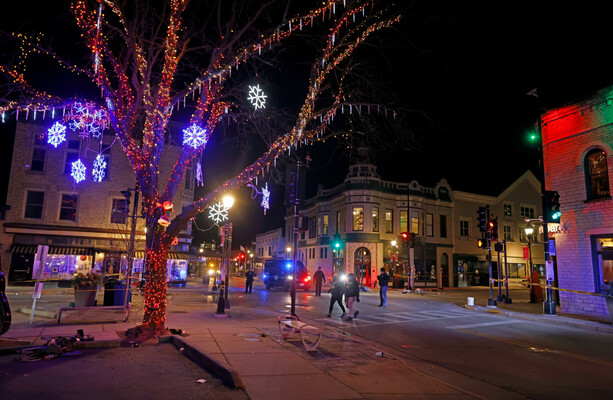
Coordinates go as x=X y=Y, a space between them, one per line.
x=404 y=235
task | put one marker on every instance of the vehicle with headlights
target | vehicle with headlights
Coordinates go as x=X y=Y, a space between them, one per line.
x=278 y=273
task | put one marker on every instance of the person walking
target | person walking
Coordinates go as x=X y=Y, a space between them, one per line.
x=318 y=277
x=384 y=280
x=250 y=275
x=337 y=291
x=352 y=294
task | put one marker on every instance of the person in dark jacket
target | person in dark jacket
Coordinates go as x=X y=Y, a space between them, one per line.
x=337 y=291
x=352 y=294
x=250 y=275
x=319 y=277
x=384 y=280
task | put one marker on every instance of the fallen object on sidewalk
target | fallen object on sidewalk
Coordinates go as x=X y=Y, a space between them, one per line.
x=57 y=346
x=289 y=325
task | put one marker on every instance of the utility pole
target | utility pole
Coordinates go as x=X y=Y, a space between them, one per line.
x=296 y=189
x=131 y=245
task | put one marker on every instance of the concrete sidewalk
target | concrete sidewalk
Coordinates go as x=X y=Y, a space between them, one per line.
x=246 y=347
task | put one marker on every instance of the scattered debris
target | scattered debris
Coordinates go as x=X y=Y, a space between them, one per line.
x=179 y=332
x=201 y=380
x=55 y=347
x=379 y=354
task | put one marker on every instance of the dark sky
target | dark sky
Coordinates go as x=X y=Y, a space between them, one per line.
x=468 y=67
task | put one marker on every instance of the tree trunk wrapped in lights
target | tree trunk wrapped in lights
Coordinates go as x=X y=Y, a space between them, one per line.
x=136 y=62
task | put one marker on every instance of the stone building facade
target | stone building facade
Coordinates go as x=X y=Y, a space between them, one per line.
x=577 y=150
x=357 y=227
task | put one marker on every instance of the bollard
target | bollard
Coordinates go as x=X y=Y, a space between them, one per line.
x=220 y=301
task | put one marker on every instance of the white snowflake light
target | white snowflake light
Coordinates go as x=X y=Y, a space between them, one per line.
x=56 y=134
x=257 y=98
x=265 y=199
x=99 y=169
x=78 y=171
x=218 y=212
x=194 y=136
x=87 y=120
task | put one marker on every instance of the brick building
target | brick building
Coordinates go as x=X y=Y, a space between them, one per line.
x=84 y=223
x=577 y=148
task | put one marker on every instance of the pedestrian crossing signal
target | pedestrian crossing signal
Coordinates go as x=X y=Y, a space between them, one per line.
x=482 y=243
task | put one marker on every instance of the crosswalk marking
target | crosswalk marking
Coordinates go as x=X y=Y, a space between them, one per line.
x=468 y=326
x=396 y=318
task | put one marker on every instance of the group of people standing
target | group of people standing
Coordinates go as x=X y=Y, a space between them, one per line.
x=351 y=290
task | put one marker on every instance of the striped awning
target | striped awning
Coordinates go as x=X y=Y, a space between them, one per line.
x=19 y=248
x=71 y=251
x=177 y=256
x=172 y=255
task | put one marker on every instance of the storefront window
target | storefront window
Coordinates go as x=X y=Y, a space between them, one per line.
x=358 y=218
x=604 y=256
x=375 y=219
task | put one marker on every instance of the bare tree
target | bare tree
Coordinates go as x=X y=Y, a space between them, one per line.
x=148 y=59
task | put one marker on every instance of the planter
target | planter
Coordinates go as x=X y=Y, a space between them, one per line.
x=85 y=296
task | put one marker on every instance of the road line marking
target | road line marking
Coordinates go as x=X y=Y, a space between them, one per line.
x=510 y=321
x=540 y=349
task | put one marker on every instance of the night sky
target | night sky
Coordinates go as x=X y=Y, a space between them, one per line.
x=467 y=69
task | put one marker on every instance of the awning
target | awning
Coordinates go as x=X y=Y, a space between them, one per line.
x=71 y=251
x=172 y=255
x=177 y=256
x=18 y=248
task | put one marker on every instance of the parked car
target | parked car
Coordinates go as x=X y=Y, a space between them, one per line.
x=278 y=273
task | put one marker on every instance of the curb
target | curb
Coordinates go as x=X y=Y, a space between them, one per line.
x=39 y=313
x=228 y=375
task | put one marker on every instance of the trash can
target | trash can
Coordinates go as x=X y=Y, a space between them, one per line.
x=109 y=292
x=114 y=293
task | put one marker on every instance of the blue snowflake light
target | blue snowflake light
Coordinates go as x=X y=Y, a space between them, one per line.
x=194 y=136
x=56 y=134
x=78 y=171
x=265 y=199
x=99 y=169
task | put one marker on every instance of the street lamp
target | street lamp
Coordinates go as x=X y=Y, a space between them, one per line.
x=529 y=231
x=288 y=252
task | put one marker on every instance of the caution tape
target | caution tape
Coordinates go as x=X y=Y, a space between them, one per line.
x=554 y=288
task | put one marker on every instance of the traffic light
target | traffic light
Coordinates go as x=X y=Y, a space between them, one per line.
x=552 y=206
x=493 y=227
x=482 y=243
x=482 y=219
x=126 y=205
x=405 y=239
x=336 y=244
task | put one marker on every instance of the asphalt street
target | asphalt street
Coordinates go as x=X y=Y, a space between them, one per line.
x=479 y=352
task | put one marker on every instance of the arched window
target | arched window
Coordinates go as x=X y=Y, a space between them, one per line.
x=596 y=174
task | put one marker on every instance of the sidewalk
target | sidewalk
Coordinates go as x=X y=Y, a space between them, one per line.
x=246 y=350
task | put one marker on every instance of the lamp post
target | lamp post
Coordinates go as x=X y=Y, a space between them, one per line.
x=228 y=202
x=394 y=256
x=529 y=231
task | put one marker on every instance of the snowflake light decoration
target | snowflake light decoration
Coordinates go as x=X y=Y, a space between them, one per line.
x=87 y=120
x=218 y=212
x=265 y=199
x=56 y=134
x=78 y=171
x=99 y=169
x=194 y=136
x=257 y=98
